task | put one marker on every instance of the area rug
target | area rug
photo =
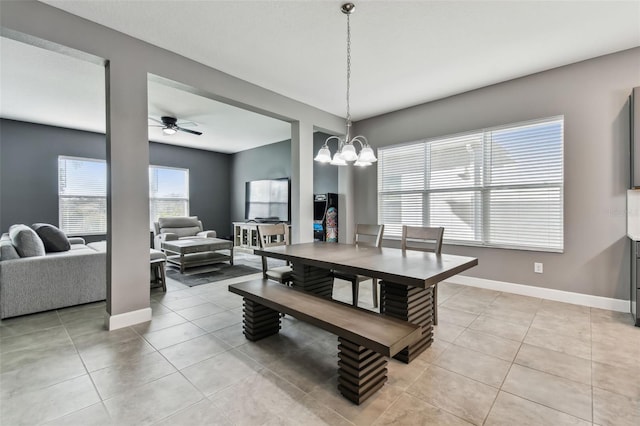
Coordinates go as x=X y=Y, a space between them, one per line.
x=209 y=274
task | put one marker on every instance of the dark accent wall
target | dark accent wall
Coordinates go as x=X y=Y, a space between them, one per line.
x=29 y=168
x=274 y=161
x=265 y=162
x=209 y=189
x=325 y=176
x=29 y=173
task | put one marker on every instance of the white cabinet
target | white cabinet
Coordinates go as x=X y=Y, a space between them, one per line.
x=245 y=236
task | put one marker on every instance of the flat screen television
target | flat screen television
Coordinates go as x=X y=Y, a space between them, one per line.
x=267 y=200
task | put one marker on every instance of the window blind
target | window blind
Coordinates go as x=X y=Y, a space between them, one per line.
x=82 y=194
x=500 y=187
x=82 y=191
x=168 y=192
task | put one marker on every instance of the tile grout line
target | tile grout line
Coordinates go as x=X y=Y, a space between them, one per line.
x=84 y=365
x=591 y=366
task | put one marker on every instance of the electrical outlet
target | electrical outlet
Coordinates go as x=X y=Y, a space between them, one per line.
x=537 y=268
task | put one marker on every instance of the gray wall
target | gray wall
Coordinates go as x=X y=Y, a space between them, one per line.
x=325 y=176
x=592 y=96
x=265 y=162
x=29 y=168
x=29 y=173
x=209 y=189
x=274 y=161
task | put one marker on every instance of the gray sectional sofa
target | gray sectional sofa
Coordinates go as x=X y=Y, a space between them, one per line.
x=50 y=281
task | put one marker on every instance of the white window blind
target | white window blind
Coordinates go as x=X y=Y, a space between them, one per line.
x=499 y=187
x=168 y=192
x=82 y=192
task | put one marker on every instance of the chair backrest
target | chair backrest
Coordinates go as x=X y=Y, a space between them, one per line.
x=370 y=235
x=427 y=238
x=271 y=236
x=183 y=226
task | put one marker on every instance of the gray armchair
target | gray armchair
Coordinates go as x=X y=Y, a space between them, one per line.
x=178 y=228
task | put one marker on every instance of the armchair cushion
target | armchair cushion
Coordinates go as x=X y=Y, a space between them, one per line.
x=54 y=239
x=207 y=234
x=174 y=228
x=26 y=241
x=169 y=236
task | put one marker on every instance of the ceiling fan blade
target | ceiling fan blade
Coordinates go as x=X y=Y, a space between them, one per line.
x=189 y=131
x=156 y=125
x=157 y=121
x=187 y=124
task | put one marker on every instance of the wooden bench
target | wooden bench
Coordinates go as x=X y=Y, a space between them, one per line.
x=364 y=338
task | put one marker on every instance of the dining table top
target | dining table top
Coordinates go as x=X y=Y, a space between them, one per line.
x=408 y=267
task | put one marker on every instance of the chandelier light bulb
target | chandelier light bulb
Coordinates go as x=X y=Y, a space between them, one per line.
x=338 y=160
x=349 y=152
x=367 y=155
x=324 y=155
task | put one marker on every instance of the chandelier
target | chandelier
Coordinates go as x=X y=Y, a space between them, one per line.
x=346 y=145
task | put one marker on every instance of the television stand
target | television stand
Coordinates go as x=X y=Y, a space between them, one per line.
x=245 y=236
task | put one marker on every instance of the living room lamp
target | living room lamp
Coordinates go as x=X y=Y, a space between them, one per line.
x=346 y=146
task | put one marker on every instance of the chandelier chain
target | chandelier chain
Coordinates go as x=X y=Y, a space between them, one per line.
x=348 y=71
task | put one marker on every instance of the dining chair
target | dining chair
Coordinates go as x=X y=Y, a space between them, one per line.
x=428 y=239
x=366 y=235
x=271 y=236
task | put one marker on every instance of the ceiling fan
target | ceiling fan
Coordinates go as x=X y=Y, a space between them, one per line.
x=170 y=125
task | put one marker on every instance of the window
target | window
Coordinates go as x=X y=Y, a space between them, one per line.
x=168 y=192
x=82 y=194
x=499 y=187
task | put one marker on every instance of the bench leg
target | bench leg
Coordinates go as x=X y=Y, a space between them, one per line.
x=414 y=305
x=361 y=371
x=259 y=321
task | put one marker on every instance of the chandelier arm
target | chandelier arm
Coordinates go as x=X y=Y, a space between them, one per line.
x=326 y=142
x=360 y=139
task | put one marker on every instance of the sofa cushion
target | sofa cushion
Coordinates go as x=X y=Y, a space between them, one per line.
x=26 y=241
x=7 y=250
x=54 y=239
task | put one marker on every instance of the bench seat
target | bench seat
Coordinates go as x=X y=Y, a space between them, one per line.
x=365 y=338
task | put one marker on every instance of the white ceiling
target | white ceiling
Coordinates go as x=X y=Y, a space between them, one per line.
x=404 y=53
x=45 y=87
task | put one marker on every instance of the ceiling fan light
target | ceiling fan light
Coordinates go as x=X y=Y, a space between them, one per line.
x=349 y=152
x=361 y=163
x=169 y=131
x=367 y=155
x=324 y=155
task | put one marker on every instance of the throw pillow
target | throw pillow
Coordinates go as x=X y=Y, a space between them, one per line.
x=26 y=241
x=53 y=238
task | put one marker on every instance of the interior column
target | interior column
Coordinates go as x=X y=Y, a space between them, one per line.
x=127 y=195
x=301 y=182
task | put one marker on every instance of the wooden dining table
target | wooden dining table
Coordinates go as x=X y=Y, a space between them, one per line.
x=406 y=278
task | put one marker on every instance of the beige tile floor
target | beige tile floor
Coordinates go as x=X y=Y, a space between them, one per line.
x=497 y=359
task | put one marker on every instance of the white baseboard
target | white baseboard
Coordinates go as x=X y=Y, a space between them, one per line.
x=544 y=293
x=128 y=319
